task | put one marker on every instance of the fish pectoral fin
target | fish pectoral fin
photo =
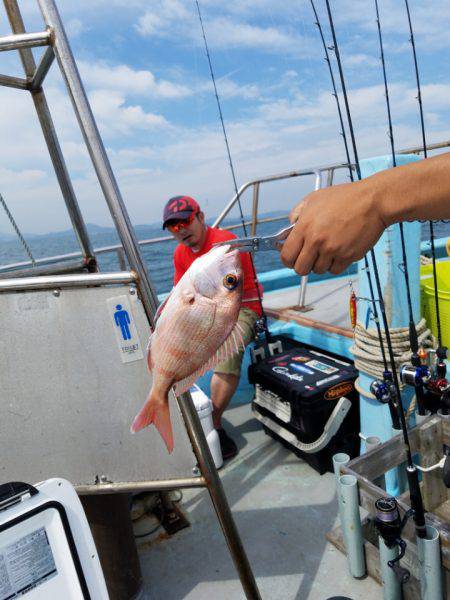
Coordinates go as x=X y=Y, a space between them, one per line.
x=185 y=384
x=155 y=411
x=232 y=345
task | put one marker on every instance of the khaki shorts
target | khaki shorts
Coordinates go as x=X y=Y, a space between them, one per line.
x=247 y=319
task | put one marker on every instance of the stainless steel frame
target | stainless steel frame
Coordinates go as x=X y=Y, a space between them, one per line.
x=56 y=36
x=43 y=112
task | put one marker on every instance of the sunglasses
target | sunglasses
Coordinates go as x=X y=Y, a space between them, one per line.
x=181 y=224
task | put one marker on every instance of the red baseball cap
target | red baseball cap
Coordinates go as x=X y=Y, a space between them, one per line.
x=179 y=207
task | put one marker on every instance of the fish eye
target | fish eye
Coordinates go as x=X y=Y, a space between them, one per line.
x=230 y=281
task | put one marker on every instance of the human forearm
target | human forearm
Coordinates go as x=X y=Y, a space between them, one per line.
x=419 y=190
x=338 y=225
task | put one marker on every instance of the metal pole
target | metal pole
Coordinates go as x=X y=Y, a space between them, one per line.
x=215 y=488
x=24 y=40
x=14 y=82
x=98 y=155
x=43 y=69
x=255 y=209
x=122 y=259
x=45 y=119
x=64 y=281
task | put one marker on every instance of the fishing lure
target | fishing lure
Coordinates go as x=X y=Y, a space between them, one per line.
x=353 y=309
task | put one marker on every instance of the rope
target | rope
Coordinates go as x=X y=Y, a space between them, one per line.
x=17 y=230
x=367 y=351
x=233 y=173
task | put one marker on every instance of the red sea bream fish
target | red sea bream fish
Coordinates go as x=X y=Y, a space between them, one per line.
x=196 y=329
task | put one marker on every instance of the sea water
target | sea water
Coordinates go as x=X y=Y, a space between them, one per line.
x=159 y=257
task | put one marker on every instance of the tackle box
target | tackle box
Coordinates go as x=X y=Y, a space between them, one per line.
x=306 y=399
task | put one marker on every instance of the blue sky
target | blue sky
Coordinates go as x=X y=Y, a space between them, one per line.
x=145 y=70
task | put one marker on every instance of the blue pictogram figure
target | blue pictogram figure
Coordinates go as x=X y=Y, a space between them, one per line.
x=122 y=319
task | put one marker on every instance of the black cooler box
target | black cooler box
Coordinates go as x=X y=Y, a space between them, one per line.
x=306 y=399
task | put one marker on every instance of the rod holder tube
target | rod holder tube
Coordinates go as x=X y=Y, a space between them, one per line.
x=421 y=418
x=442 y=416
x=351 y=524
x=371 y=442
x=339 y=460
x=392 y=589
x=429 y=552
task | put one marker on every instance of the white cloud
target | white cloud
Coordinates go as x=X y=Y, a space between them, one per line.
x=158 y=19
x=130 y=81
x=169 y=18
x=361 y=60
x=115 y=117
x=75 y=27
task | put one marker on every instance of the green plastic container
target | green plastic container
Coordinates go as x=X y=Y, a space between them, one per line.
x=427 y=297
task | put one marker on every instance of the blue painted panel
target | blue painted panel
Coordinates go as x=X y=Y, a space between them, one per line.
x=375 y=418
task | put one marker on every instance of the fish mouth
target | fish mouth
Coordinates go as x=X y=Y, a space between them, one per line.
x=230 y=251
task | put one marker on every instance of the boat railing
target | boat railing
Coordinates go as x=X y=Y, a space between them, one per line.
x=324 y=177
x=43 y=264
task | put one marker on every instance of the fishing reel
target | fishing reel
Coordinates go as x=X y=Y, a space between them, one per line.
x=415 y=375
x=383 y=389
x=390 y=525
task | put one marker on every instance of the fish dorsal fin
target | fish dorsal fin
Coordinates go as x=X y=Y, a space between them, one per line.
x=161 y=307
x=149 y=353
x=157 y=315
x=232 y=345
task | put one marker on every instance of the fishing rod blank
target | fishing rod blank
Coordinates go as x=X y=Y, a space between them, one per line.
x=421 y=372
x=382 y=389
x=412 y=473
x=262 y=321
x=441 y=351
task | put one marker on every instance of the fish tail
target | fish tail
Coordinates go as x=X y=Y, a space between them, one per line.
x=156 y=411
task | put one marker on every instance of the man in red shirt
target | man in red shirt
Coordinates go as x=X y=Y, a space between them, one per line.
x=186 y=222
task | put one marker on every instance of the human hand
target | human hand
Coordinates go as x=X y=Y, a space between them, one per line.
x=334 y=227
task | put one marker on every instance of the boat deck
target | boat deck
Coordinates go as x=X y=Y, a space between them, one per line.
x=283 y=509
x=326 y=305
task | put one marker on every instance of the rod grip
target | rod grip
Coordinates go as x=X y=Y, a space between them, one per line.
x=416 y=501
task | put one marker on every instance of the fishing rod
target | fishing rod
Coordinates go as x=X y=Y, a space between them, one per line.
x=261 y=323
x=415 y=374
x=381 y=389
x=411 y=470
x=440 y=380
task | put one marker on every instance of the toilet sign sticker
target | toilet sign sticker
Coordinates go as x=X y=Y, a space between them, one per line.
x=125 y=329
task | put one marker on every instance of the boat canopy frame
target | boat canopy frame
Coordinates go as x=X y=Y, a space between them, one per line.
x=58 y=47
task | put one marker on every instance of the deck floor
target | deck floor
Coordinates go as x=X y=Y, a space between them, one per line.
x=283 y=510
x=328 y=300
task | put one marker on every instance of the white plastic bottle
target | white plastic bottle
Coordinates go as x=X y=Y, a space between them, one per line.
x=204 y=409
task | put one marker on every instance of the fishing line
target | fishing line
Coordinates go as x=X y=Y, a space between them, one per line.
x=350 y=171
x=415 y=359
x=441 y=351
x=263 y=321
x=412 y=473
